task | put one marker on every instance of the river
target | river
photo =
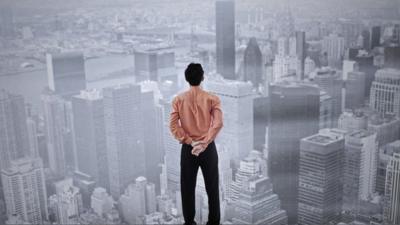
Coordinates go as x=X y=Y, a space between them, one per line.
x=30 y=84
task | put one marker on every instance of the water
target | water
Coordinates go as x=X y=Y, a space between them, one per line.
x=30 y=84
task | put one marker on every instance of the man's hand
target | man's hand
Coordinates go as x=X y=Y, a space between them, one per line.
x=198 y=148
x=194 y=143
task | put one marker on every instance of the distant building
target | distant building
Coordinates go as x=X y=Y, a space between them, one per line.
x=366 y=35
x=392 y=57
x=331 y=82
x=392 y=190
x=385 y=153
x=387 y=129
x=101 y=202
x=385 y=92
x=66 y=73
x=294 y=114
x=360 y=166
x=67 y=202
x=334 y=46
x=138 y=200
x=301 y=51
x=225 y=38
x=321 y=178
x=24 y=190
x=354 y=90
x=375 y=37
x=124 y=137
x=253 y=65
x=58 y=130
x=352 y=121
x=155 y=65
x=14 y=131
x=237 y=101
x=325 y=110
x=255 y=201
x=90 y=135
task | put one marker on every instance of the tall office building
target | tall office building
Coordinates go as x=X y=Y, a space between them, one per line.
x=294 y=115
x=354 y=90
x=301 y=51
x=13 y=125
x=331 y=82
x=237 y=101
x=66 y=73
x=253 y=65
x=255 y=202
x=325 y=110
x=123 y=123
x=360 y=166
x=58 y=131
x=366 y=35
x=172 y=153
x=392 y=190
x=90 y=136
x=385 y=92
x=153 y=144
x=320 y=178
x=225 y=38
x=334 y=46
x=365 y=64
x=67 y=202
x=24 y=190
x=375 y=37
x=385 y=154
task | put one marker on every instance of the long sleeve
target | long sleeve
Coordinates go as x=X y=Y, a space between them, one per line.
x=177 y=131
x=217 y=121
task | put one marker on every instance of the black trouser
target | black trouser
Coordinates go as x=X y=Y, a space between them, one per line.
x=208 y=162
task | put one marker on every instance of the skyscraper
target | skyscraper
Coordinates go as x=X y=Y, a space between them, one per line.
x=13 y=125
x=385 y=92
x=331 y=82
x=225 y=38
x=334 y=46
x=385 y=154
x=360 y=166
x=375 y=37
x=255 y=201
x=66 y=73
x=253 y=67
x=25 y=190
x=320 y=178
x=172 y=152
x=58 y=129
x=294 y=114
x=366 y=39
x=301 y=51
x=90 y=136
x=392 y=190
x=354 y=90
x=125 y=150
x=237 y=102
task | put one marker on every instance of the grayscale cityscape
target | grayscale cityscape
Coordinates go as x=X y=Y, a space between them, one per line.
x=310 y=93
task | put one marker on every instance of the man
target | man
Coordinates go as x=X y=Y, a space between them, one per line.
x=195 y=121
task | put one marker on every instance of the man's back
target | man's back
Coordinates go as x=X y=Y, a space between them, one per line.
x=199 y=113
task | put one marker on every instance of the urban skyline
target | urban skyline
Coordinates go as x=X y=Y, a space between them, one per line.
x=310 y=92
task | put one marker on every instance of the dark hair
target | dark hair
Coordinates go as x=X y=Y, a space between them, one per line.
x=194 y=74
